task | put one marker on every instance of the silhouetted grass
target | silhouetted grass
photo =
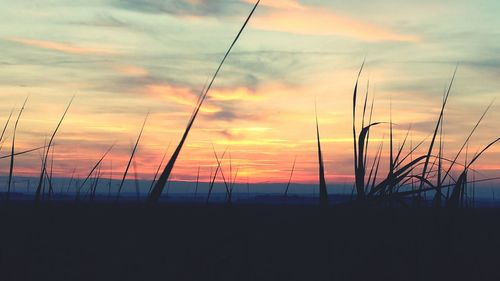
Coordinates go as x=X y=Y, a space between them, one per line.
x=46 y=155
x=131 y=157
x=12 y=155
x=291 y=175
x=212 y=182
x=5 y=128
x=323 y=192
x=80 y=187
x=427 y=172
x=155 y=194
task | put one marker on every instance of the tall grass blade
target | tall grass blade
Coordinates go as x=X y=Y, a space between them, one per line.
x=5 y=127
x=359 y=187
x=441 y=113
x=197 y=182
x=131 y=158
x=291 y=175
x=158 y=169
x=212 y=182
x=360 y=167
x=21 y=152
x=92 y=171
x=11 y=169
x=457 y=192
x=466 y=142
x=323 y=192
x=219 y=164
x=44 y=162
x=155 y=194
x=136 y=181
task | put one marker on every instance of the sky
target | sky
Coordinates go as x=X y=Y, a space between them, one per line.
x=124 y=58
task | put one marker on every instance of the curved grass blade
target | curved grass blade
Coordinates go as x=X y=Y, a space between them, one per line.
x=158 y=169
x=323 y=192
x=44 y=162
x=11 y=169
x=211 y=187
x=291 y=175
x=457 y=191
x=131 y=158
x=441 y=114
x=155 y=194
x=5 y=127
x=92 y=171
x=354 y=102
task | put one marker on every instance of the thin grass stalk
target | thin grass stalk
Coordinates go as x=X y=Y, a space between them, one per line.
x=368 y=135
x=441 y=113
x=361 y=169
x=136 y=181
x=110 y=181
x=467 y=141
x=11 y=169
x=400 y=150
x=134 y=149
x=158 y=169
x=210 y=188
x=455 y=197
x=71 y=180
x=291 y=175
x=95 y=183
x=410 y=153
x=197 y=182
x=5 y=127
x=391 y=155
x=375 y=160
x=323 y=192
x=377 y=167
x=231 y=190
x=230 y=169
x=155 y=194
x=219 y=162
x=209 y=181
x=21 y=153
x=437 y=197
x=92 y=171
x=359 y=181
x=44 y=162
x=51 y=187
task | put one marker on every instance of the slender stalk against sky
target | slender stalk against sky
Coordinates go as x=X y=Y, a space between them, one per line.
x=160 y=185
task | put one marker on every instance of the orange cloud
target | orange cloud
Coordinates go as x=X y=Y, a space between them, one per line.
x=179 y=95
x=279 y=4
x=237 y=94
x=132 y=70
x=63 y=47
x=291 y=16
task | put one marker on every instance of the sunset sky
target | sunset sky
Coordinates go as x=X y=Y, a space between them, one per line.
x=124 y=58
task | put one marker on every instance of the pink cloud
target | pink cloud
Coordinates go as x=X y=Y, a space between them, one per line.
x=291 y=16
x=63 y=47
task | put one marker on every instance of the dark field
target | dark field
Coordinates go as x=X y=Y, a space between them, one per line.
x=197 y=242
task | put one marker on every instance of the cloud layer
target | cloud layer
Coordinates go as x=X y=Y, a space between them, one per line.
x=124 y=58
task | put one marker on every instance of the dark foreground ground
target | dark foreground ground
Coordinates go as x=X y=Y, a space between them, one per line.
x=196 y=242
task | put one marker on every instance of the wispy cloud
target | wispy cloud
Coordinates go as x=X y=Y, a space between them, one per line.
x=291 y=16
x=64 y=47
x=131 y=70
x=180 y=95
x=180 y=7
x=234 y=94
